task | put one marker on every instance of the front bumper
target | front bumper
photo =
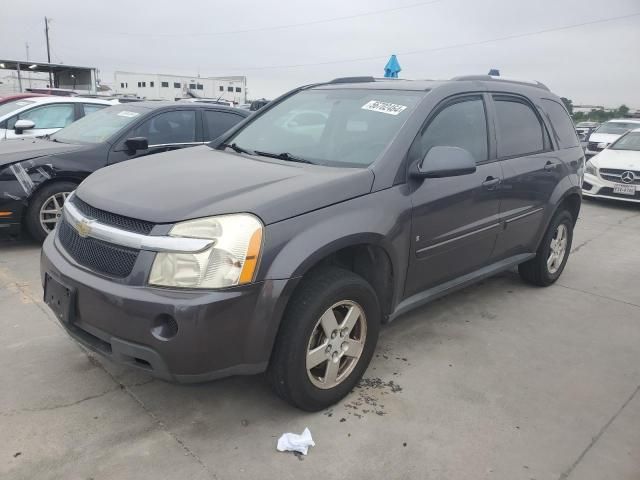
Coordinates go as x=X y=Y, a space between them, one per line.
x=595 y=186
x=220 y=333
x=11 y=212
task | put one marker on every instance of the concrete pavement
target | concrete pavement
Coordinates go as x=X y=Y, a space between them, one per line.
x=499 y=381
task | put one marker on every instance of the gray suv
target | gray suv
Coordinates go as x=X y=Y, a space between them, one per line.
x=284 y=245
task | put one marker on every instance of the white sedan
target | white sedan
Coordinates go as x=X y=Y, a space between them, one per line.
x=615 y=172
x=40 y=116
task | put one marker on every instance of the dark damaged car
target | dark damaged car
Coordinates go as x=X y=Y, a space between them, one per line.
x=37 y=175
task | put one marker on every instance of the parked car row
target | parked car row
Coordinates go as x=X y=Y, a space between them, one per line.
x=608 y=132
x=614 y=173
x=37 y=175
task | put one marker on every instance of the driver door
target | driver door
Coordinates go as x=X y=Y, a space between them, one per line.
x=455 y=220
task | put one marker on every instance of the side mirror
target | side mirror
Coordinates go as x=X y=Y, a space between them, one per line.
x=445 y=162
x=136 y=143
x=22 y=125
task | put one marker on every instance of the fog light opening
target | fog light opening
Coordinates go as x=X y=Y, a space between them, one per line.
x=164 y=327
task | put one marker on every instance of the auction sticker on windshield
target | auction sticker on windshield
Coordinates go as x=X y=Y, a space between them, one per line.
x=125 y=113
x=384 y=107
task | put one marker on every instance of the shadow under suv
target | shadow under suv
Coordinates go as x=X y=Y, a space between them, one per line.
x=284 y=245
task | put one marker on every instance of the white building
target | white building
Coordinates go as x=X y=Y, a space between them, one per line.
x=170 y=87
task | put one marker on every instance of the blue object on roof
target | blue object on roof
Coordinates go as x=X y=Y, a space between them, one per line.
x=392 y=68
x=494 y=72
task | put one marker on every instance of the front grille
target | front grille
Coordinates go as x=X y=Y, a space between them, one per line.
x=615 y=175
x=593 y=146
x=119 y=221
x=99 y=256
x=609 y=193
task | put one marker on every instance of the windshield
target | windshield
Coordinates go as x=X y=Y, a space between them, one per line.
x=617 y=127
x=99 y=126
x=10 y=107
x=631 y=141
x=344 y=128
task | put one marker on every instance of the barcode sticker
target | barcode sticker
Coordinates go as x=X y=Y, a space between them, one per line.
x=126 y=113
x=384 y=107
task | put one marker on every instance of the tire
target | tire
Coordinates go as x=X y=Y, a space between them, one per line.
x=537 y=271
x=302 y=330
x=32 y=217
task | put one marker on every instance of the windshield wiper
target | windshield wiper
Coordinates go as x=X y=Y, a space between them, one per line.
x=236 y=148
x=285 y=156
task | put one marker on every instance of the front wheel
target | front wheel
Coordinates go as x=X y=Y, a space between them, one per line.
x=45 y=209
x=552 y=254
x=326 y=340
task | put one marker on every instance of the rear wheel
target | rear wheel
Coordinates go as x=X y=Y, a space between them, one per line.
x=45 y=209
x=553 y=253
x=326 y=340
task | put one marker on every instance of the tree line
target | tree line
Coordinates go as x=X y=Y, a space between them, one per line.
x=595 y=115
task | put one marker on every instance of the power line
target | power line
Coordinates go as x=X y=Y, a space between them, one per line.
x=437 y=49
x=267 y=28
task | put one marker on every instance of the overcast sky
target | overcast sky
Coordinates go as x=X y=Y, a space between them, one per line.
x=595 y=64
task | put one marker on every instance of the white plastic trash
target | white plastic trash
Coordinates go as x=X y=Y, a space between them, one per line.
x=292 y=442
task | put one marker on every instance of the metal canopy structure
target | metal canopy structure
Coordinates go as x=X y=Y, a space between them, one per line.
x=63 y=76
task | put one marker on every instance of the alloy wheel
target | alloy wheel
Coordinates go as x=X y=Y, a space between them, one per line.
x=558 y=248
x=336 y=344
x=51 y=210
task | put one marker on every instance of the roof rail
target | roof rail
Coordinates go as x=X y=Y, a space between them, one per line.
x=531 y=83
x=353 y=80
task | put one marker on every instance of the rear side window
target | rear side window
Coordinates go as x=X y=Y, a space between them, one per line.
x=462 y=124
x=216 y=123
x=562 y=125
x=92 y=107
x=519 y=130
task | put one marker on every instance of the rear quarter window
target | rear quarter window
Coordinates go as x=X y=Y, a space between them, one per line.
x=562 y=126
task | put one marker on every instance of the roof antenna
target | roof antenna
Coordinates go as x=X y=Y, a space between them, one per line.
x=494 y=72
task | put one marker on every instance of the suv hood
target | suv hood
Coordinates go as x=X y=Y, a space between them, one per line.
x=199 y=182
x=12 y=151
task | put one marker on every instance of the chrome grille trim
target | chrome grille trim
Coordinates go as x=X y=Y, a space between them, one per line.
x=90 y=227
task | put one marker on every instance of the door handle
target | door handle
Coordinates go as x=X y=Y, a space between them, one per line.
x=490 y=183
x=550 y=165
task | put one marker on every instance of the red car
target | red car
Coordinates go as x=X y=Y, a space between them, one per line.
x=18 y=96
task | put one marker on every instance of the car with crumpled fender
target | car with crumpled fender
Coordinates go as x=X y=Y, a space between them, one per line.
x=285 y=249
x=37 y=175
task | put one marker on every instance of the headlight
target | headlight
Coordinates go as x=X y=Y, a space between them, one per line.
x=590 y=168
x=603 y=145
x=231 y=260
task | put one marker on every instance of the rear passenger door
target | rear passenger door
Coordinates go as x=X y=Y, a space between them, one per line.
x=216 y=122
x=531 y=172
x=455 y=220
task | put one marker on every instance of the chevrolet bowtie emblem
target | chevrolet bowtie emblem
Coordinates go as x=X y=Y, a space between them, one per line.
x=83 y=227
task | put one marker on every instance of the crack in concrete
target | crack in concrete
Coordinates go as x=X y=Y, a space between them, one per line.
x=55 y=407
x=586 y=242
x=595 y=439
x=631 y=304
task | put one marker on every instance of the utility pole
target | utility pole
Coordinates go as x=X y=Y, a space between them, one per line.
x=46 y=32
x=26 y=45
